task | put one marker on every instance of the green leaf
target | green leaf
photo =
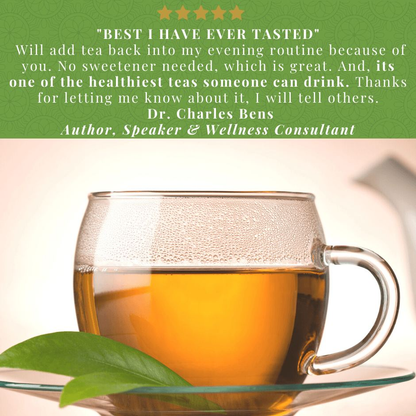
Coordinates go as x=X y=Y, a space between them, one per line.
x=98 y=384
x=78 y=353
x=110 y=366
x=102 y=384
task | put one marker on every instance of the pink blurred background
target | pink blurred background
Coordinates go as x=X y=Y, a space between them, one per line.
x=44 y=186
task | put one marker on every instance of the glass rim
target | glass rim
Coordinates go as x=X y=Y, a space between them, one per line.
x=210 y=194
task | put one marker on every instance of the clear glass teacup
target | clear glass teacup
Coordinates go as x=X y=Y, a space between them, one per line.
x=225 y=288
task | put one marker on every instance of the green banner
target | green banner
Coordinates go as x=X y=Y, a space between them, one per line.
x=205 y=69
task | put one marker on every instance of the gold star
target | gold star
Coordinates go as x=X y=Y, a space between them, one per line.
x=182 y=13
x=236 y=13
x=164 y=13
x=201 y=13
x=218 y=13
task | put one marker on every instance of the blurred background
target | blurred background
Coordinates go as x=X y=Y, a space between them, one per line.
x=44 y=186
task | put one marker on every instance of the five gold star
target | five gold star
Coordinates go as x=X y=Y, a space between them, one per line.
x=164 y=13
x=236 y=13
x=218 y=13
x=201 y=13
x=182 y=13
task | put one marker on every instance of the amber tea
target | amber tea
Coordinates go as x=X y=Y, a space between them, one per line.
x=213 y=327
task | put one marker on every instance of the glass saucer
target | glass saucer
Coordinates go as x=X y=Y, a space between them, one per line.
x=281 y=399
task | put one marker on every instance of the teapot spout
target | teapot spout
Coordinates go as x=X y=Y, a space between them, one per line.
x=398 y=185
x=394 y=181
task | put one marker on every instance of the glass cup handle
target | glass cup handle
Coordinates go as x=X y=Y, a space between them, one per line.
x=387 y=314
